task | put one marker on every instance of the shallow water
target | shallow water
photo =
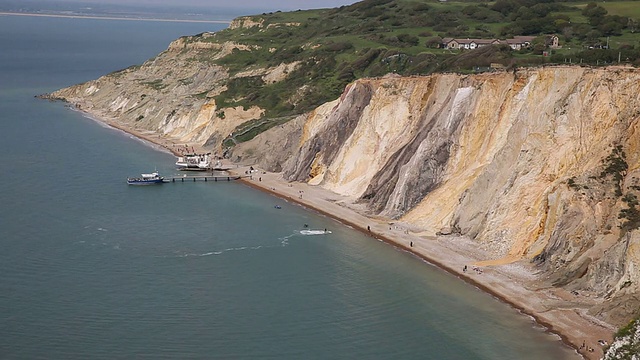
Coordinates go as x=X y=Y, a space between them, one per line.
x=93 y=268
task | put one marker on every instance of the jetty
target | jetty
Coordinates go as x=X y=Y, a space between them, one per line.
x=205 y=178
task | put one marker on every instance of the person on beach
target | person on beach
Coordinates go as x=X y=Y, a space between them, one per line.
x=368 y=228
x=411 y=244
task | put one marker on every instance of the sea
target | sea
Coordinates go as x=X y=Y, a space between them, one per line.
x=91 y=268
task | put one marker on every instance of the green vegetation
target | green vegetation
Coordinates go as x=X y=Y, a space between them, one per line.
x=616 y=166
x=629 y=329
x=572 y=183
x=629 y=9
x=372 y=38
x=252 y=128
x=631 y=215
x=631 y=348
x=155 y=84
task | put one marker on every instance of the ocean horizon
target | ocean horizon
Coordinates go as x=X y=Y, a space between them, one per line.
x=94 y=268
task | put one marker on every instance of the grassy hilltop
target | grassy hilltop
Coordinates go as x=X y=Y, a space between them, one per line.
x=376 y=37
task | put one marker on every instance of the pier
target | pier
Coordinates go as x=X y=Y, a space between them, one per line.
x=205 y=178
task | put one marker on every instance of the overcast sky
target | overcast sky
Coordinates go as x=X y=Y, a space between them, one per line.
x=271 y=5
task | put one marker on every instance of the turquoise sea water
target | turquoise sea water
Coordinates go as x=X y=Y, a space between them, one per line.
x=94 y=269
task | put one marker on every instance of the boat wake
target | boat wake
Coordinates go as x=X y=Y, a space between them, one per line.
x=221 y=251
x=284 y=241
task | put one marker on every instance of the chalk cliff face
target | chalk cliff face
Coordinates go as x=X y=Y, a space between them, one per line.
x=539 y=164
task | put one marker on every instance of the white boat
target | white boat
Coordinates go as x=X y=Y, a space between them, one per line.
x=146 y=179
x=315 y=232
x=194 y=162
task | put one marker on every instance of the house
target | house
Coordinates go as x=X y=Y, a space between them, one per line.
x=553 y=41
x=516 y=43
x=520 y=42
x=486 y=42
x=469 y=44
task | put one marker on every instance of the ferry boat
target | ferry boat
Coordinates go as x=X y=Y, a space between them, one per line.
x=194 y=162
x=146 y=179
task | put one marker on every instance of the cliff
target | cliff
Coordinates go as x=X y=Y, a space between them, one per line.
x=539 y=164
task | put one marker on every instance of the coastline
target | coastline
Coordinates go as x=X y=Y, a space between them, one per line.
x=557 y=310
x=512 y=284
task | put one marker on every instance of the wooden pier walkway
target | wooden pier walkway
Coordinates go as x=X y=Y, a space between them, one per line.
x=205 y=178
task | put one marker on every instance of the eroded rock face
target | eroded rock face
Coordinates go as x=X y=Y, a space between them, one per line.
x=530 y=165
x=332 y=133
x=173 y=93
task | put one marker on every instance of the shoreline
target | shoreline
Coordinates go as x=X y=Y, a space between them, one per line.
x=550 y=326
x=558 y=311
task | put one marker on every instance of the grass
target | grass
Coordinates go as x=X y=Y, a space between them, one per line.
x=622 y=8
x=626 y=38
x=155 y=84
x=575 y=16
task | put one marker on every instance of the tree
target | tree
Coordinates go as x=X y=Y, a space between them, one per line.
x=505 y=7
x=610 y=28
x=434 y=42
x=541 y=10
x=409 y=39
x=567 y=32
x=593 y=36
x=523 y=13
x=581 y=30
x=632 y=25
x=594 y=13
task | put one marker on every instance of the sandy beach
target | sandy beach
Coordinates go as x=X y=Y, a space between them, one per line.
x=560 y=312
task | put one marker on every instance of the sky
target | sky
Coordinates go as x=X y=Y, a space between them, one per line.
x=270 y=5
x=219 y=10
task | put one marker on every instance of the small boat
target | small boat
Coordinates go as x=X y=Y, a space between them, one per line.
x=315 y=232
x=146 y=179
